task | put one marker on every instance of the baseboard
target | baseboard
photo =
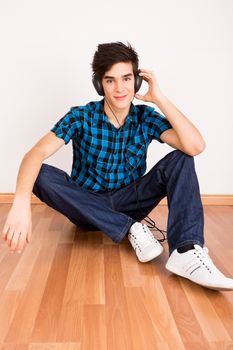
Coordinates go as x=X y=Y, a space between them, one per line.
x=207 y=199
x=211 y=199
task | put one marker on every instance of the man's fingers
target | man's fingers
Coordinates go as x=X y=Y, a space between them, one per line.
x=139 y=97
x=142 y=70
x=17 y=228
x=5 y=229
x=146 y=73
x=15 y=240
x=16 y=237
x=29 y=235
x=21 y=243
x=146 y=77
x=10 y=234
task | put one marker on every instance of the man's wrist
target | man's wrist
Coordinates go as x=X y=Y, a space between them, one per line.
x=160 y=98
x=161 y=101
x=24 y=200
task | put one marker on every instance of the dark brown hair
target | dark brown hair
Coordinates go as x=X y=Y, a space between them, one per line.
x=110 y=53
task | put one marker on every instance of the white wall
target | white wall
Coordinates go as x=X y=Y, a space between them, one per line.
x=46 y=51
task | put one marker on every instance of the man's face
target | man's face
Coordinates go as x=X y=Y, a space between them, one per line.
x=118 y=84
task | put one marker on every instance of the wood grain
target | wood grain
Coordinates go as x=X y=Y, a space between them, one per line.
x=73 y=289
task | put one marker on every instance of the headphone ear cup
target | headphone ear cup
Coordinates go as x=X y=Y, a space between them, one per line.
x=138 y=83
x=98 y=85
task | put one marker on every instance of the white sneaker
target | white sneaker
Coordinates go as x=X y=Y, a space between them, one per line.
x=144 y=243
x=197 y=266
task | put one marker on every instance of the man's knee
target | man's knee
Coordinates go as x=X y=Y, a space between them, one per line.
x=41 y=180
x=180 y=155
x=48 y=179
x=180 y=161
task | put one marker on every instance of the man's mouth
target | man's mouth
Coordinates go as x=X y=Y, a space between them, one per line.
x=120 y=98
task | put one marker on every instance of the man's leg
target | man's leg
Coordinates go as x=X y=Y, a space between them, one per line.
x=173 y=176
x=54 y=187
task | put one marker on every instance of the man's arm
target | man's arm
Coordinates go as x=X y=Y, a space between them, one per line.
x=183 y=135
x=18 y=225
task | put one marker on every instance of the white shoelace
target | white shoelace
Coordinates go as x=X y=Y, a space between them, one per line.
x=141 y=241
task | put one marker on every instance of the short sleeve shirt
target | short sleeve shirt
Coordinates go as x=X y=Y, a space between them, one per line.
x=106 y=158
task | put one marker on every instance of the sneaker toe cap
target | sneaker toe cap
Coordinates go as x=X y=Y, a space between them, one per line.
x=150 y=252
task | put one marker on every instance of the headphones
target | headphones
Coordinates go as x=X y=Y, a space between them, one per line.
x=99 y=87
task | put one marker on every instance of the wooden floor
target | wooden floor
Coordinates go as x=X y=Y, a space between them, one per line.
x=78 y=290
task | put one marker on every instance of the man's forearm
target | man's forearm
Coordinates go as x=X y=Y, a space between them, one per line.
x=27 y=175
x=188 y=134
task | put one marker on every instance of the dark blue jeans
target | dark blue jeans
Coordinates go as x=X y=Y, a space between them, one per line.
x=114 y=212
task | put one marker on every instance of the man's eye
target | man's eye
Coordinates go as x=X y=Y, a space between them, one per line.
x=127 y=78
x=109 y=81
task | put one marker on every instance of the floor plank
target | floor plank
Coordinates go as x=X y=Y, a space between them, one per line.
x=75 y=289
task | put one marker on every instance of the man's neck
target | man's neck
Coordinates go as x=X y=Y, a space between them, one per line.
x=112 y=113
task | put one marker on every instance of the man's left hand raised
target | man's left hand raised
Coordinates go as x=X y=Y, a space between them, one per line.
x=154 y=93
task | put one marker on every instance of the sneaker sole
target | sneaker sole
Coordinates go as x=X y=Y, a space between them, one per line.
x=220 y=288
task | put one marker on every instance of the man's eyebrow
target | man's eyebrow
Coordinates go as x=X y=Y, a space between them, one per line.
x=123 y=76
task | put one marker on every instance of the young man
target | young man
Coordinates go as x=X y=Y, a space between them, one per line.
x=107 y=188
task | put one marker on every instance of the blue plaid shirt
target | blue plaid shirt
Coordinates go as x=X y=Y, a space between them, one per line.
x=106 y=158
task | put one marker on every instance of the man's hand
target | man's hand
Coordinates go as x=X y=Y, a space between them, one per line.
x=154 y=93
x=183 y=135
x=18 y=227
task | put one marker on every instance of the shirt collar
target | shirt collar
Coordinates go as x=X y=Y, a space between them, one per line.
x=99 y=113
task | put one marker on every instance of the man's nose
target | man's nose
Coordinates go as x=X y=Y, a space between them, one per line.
x=119 y=86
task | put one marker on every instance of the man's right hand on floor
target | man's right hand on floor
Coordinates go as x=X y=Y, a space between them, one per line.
x=18 y=227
